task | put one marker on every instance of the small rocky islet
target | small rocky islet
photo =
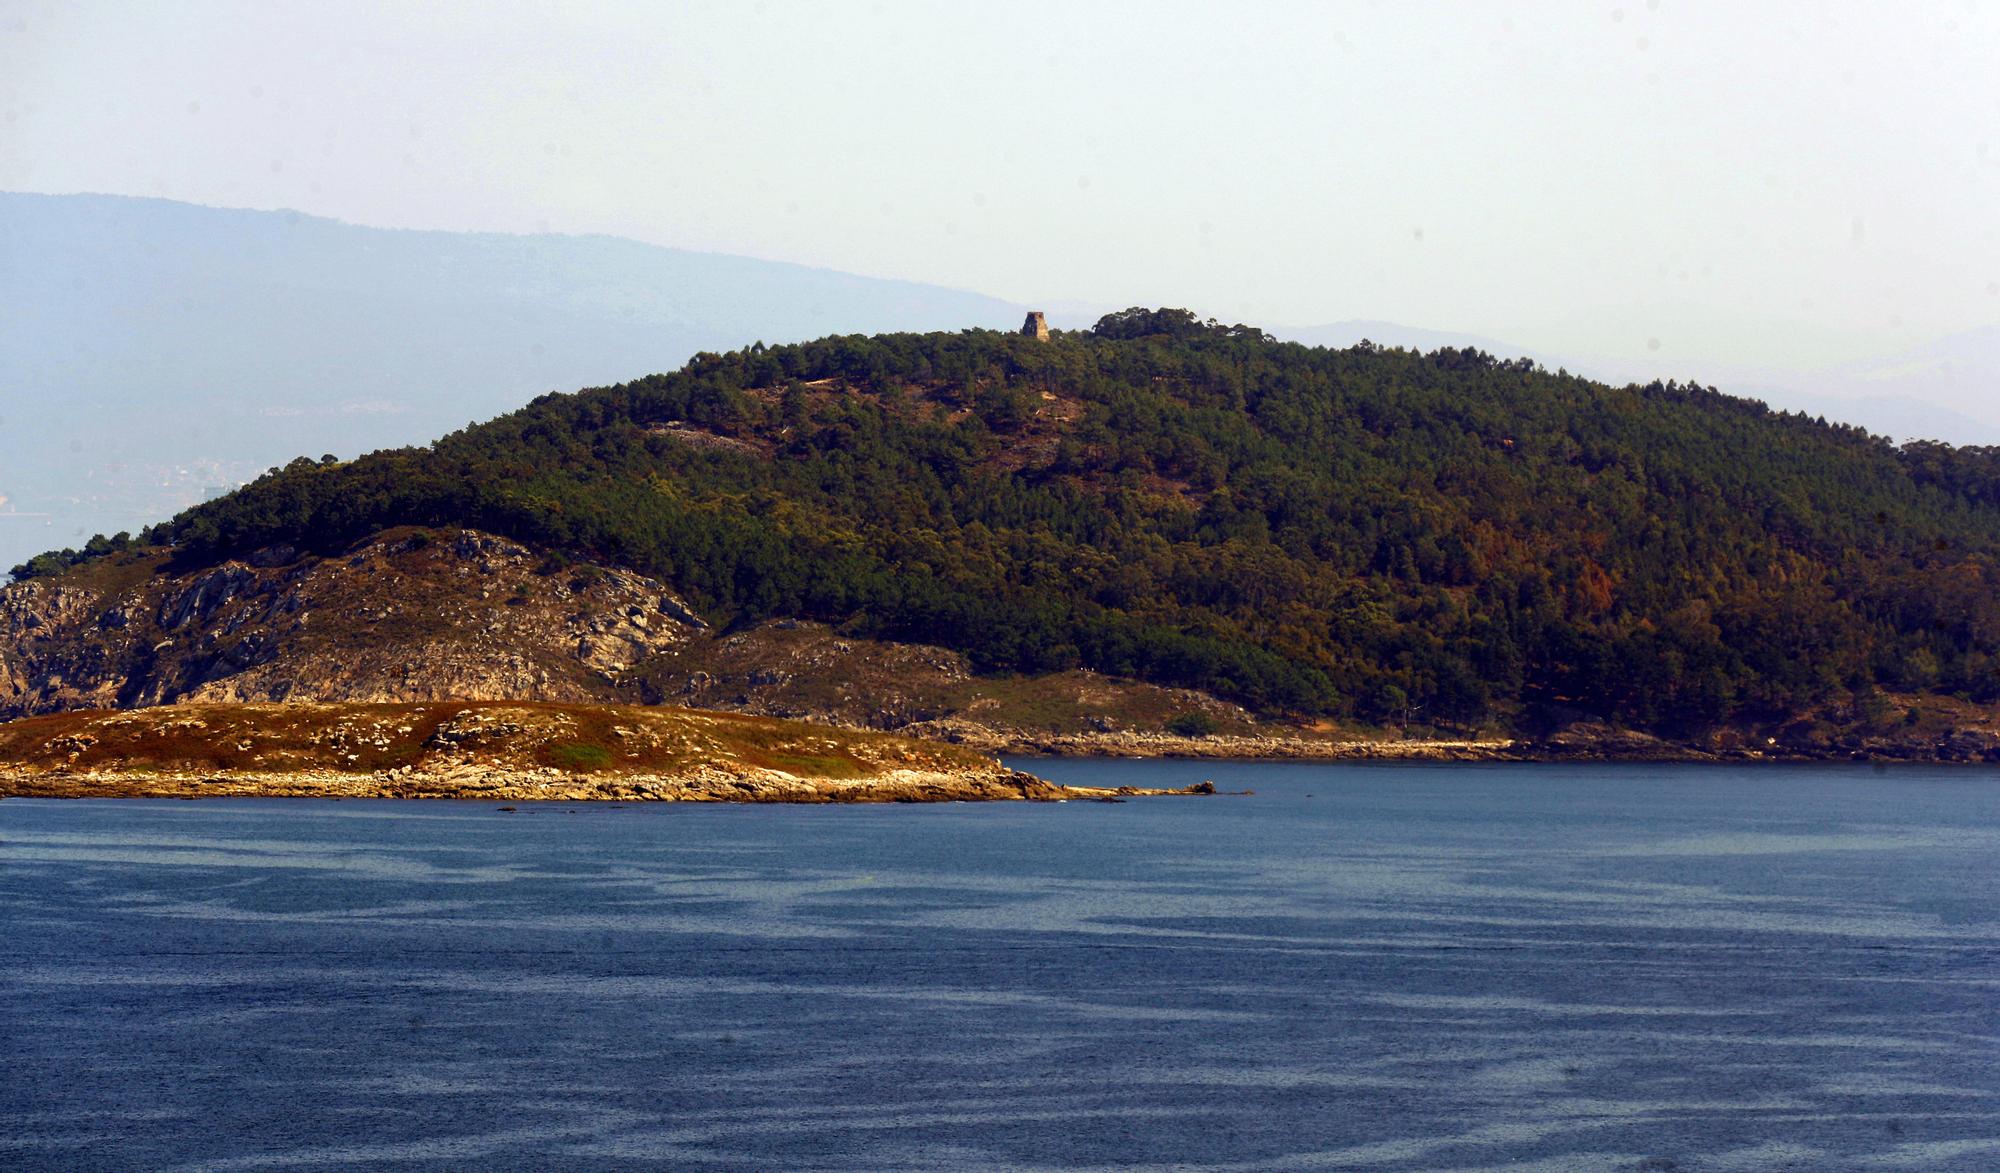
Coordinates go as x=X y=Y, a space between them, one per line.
x=498 y=751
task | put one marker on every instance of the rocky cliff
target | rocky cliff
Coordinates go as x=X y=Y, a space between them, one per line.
x=406 y=616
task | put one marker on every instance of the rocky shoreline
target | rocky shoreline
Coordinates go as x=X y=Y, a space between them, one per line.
x=512 y=752
x=1240 y=748
x=474 y=783
x=496 y=752
x=1592 y=745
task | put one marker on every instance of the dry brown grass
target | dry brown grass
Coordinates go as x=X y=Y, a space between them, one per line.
x=369 y=738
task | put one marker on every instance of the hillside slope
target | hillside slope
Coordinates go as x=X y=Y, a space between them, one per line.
x=415 y=615
x=1363 y=535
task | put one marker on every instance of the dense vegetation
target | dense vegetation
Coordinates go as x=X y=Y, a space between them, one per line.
x=1366 y=533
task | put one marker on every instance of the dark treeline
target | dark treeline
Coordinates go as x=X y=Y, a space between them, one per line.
x=1366 y=533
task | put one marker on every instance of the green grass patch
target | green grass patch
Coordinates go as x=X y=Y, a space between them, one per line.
x=578 y=756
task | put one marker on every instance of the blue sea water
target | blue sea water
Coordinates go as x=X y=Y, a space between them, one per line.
x=1362 y=967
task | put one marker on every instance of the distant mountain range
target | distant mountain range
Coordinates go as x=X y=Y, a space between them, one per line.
x=1940 y=391
x=155 y=353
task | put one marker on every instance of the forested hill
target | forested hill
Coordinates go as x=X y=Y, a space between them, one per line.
x=1363 y=533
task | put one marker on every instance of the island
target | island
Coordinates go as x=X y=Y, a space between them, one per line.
x=1161 y=536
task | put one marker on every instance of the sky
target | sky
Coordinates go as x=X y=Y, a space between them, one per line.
x=1770 y=184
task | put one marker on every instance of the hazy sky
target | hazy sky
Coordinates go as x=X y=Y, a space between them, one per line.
x=1752 y=183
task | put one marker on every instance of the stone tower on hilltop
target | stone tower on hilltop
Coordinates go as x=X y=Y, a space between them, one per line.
x=1036 y=327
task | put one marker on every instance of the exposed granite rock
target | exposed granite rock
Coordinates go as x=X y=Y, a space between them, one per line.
x=1969 y=745
x=401 y=617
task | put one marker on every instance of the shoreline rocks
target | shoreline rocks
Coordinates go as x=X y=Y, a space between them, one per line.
x=513 y=752
x=473 y=785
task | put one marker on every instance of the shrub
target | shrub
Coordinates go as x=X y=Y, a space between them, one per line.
x=1191 y=725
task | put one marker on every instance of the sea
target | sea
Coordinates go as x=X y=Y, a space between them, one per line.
x=1381 y=967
